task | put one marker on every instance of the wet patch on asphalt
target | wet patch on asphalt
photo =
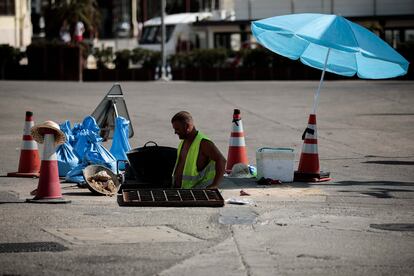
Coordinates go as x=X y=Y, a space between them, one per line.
x=394 y=226
x=31 y=247
x=379 y=192
x=326 y=258
x=390 y=162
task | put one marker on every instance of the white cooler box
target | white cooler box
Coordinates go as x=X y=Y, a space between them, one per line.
x=275 y=163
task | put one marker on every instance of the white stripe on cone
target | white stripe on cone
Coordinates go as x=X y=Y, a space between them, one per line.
x=29 y=145
x=310 y=148
x=237 y=142
x=27 y=126
x=315 y=133
x=237 y=127
x=49 y=152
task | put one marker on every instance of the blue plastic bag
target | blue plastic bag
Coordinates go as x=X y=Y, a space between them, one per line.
x=99 y=155
x=89 y=123
x=65 y=127
x=77 y=127
x=76 y=175
x=65 y=155
x=83 y=140
x=66 y=158
x=84 y=133
x=89 y=149
x=96 y=154
x=120 y=143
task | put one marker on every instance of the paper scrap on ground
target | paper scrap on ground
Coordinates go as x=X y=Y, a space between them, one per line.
x=239 y=201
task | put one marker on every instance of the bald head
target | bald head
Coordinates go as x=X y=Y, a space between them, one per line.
x=182 y=117
x=183 y=125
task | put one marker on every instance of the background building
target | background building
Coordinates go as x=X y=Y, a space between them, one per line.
x=118 y=18
x=393 y=20
x=229 y=25
x=15 y=25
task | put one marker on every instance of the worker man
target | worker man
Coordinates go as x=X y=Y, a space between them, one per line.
x=199 y=163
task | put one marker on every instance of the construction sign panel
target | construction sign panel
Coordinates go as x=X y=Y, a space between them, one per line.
x=112 y=106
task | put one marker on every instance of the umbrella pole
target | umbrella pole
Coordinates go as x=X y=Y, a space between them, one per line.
x=316 y=96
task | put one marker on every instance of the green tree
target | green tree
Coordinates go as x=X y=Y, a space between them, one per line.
x=86 y=11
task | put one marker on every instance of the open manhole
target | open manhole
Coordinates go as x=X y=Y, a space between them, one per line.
x=31 y=247
x=171 y=197
x=394 y=226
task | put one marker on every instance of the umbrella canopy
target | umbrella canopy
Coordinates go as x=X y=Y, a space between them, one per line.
x=330 y=43
x=353 y=49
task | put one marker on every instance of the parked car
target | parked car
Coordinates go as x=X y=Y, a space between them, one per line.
x=123 y=29
x=179 y=32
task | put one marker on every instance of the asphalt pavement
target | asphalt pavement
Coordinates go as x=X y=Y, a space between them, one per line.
x=359 y=223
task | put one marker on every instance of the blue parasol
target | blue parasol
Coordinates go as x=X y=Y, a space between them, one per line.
x=330 y=43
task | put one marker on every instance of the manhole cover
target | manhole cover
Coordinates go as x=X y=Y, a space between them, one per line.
x=171 y=197
x=394 y=226
x=31 y=247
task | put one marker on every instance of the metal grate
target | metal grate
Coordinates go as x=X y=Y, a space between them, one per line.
x=31 y=247
x=171 y=197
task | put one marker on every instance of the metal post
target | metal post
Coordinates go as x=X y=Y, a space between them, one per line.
x=163 y=54
x=249 y=9
x=316 y=96
x=115 y=108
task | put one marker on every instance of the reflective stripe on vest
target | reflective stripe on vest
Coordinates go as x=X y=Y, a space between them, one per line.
x=192 y=177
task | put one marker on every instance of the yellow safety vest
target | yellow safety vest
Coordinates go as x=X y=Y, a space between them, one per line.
x=192 y=177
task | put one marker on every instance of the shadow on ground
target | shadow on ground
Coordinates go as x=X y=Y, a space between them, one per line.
x=390 y=162
x=237 y=183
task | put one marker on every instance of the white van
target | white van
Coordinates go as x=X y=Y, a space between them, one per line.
x=178 y=30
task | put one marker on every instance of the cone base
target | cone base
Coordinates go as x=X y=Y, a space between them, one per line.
x=49 y=184
x=309 y=164
x=20 y=174
x=236 y=155
x=48 y=200
x=311 y=177
x=29 y=161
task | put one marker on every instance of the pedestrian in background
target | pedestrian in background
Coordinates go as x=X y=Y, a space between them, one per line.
x=64 y=32
x=79 y=30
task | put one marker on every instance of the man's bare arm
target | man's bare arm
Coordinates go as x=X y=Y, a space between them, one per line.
x=210 y=150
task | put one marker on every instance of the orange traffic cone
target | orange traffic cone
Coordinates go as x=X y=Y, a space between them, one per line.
x=29 y=162
x=308 y=170
x=48 y=189
x=237 y=146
